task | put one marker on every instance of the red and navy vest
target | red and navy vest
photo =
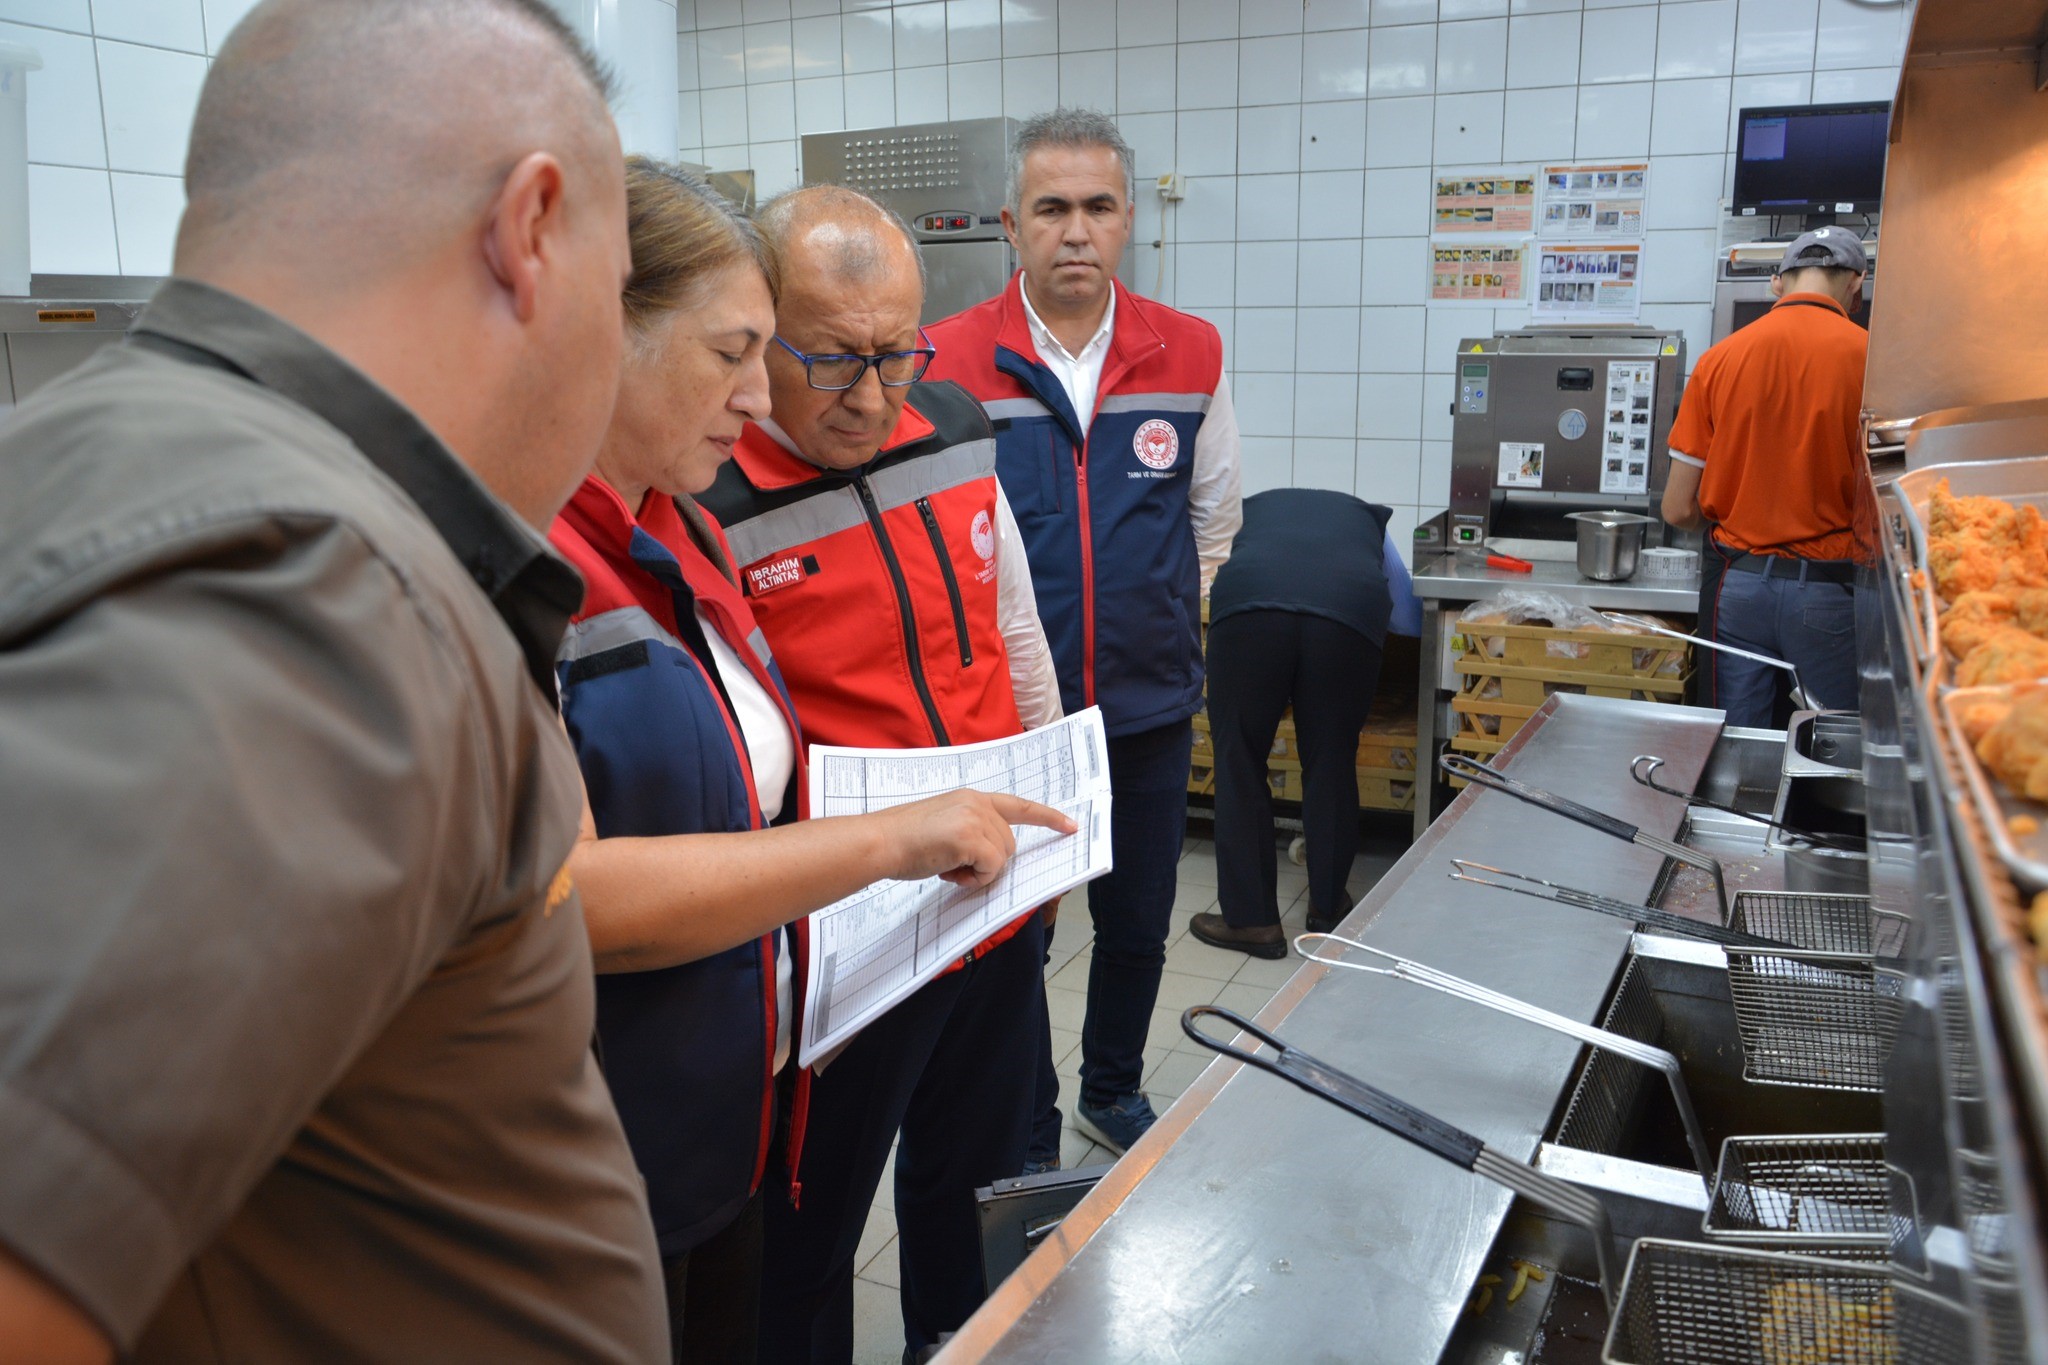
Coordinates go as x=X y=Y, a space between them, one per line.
x=687 y=1050
x=1101 y=498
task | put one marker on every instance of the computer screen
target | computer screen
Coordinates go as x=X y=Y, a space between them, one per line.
x=1812 y=158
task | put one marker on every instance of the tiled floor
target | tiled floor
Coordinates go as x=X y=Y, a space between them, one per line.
x=1195 y=974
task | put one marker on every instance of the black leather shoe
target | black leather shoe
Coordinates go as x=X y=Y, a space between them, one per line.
x=1322 y=924
x=1265 y=940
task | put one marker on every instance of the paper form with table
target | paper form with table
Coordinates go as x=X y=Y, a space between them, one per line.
x=875 y=947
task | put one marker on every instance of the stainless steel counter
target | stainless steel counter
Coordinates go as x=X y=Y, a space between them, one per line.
x=1442 y=580
x=1257 y=1223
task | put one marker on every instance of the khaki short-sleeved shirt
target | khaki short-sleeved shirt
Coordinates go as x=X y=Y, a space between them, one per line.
x=295 y=996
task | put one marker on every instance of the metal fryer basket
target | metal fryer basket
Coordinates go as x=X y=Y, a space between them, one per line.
x=1818 y=1012
x=1817 y=1196
x=1686 y=1304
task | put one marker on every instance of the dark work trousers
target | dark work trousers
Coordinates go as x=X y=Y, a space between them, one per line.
x=1132 y=906
x=714 y=1293
x=1259 y=663
x=1045 y=1126
x=1784 y=614
x=952 y=1069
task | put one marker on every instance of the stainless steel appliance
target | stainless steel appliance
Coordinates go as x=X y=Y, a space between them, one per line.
x=1742 y=285
x=948 y=182
x=60 y=322
x=1548 y=421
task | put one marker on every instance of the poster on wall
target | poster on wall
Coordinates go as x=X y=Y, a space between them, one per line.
x=1631 y=401
x=1478 y=276
x=1588 y=283
x=1604 y=200
x=1488 y=201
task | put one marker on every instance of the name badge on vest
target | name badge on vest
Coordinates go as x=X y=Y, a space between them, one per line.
x=782 y=572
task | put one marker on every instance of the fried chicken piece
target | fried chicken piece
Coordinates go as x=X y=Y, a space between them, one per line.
x=1976 y=544
x=2009 y=655
x=1949 y=515
x=2037 y=919
x=1963 y=564
x=2016 y=748
x=2030 y=610
x=1979 y=716
x=1975 y=617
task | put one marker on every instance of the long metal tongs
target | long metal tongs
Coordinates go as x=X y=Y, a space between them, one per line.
x=1643 y=768
x=1641 y=1053
x=1801 y=700
x=1642 y=916
x=1471 y=770
x=1418 y=1126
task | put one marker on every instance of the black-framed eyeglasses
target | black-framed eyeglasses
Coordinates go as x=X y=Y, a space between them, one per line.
x=837 y=373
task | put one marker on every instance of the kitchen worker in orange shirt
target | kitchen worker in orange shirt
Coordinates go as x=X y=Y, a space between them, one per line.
x=1764 y=455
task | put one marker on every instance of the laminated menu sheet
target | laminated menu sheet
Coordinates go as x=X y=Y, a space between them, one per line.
x=875 y=947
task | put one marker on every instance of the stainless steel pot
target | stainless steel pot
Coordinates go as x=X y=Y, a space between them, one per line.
x=1609 y=543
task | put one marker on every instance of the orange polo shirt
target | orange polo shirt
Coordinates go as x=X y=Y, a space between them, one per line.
x=1771 y=416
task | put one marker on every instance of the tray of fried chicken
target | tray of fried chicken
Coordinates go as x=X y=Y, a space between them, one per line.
x=2005 y=729
x=1980 y=546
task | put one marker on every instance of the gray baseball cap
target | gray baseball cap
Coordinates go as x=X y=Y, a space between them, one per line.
x=1828 y=246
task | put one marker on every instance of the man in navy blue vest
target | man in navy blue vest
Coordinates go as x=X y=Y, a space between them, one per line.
x=1117 y=448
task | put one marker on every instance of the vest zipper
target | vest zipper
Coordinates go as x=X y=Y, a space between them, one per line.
x=911 y=645
x=931 y=527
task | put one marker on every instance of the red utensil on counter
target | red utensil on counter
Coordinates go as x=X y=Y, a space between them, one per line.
x=1510 y=563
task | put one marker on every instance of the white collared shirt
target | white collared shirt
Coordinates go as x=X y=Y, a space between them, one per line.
x=1215 y=488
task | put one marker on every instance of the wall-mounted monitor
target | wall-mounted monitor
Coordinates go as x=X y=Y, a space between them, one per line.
x=1815 y=160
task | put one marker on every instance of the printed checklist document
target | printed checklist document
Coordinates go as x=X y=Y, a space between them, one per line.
x=875 y=947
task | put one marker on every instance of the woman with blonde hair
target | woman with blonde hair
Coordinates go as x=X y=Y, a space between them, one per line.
x=694 y=882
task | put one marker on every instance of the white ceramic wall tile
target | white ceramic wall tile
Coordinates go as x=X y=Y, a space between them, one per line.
x=771 y=112
x=1332 y=204
x=1403 y=12
x=720 y=13
x=1863 y=83
x=690 y=121
x=1859 y=35
x=1208 y=142
x=722 y=57
x=1433 y=479
x=975 y=90
x=1271 y=137
x=762 y=11
x=817 y=47
x=1468 y=128
x=1208 y=75
x=974 y=30
x=1266 y=207
x=1326 y=342
x=1696 y=320
x=768 y=51
x=1265 y=272
x=1088 y=79
x=1614 y=120
x=1695 y=39
x=1446 y=327
x=1689 y=116
x=221 y=18
x=1775 y=35
x=1449 y=10
x=1390 y=407
x=1685 y=191
x=1203 y=20
x=1390 y=340
x=1398 y=132
x=868 y=42
x=1542 y=6
x=1540 y=124
x=1145 y=79
x=686 y=13
x=1619 y=45
x=1402 y=61
x=1385 y=470
x=1151 y=140
x=1437 y=390
x=1268 y=463
x=1760 y=92
x=1265 y=340
x=71 y=222
x=738 y=158
x=1206 y=276
x=176 y=24
x=1396 y=202
x=1031 y=85
x=921 y=94
x=1269 y=70
x=871 y=100
x=1335 y=65
x=72 y=16
x=65 y=126
x=725 y=116
x=1145 y=23
x=1543 y=50
x=1333 y=135
x=1209 y=213
x=776 y=167
x=149 y=95
x=1030 y=28
x=1678 y=267
x=1396 y=271
x=686 y=61
x=1264 y=401
x=1327 y=271
x=1259 y=18
x=1323 y=463
x=1086 y=25
x=798 y=9
x=820 y=105
x=1472 y=55
x=1319 y=15
x=920 y=34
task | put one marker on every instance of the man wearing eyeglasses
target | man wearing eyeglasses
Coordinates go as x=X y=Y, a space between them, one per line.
x=885 y=569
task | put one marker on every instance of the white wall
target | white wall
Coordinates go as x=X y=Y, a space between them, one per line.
x=1309 y=130
x=631 y=37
